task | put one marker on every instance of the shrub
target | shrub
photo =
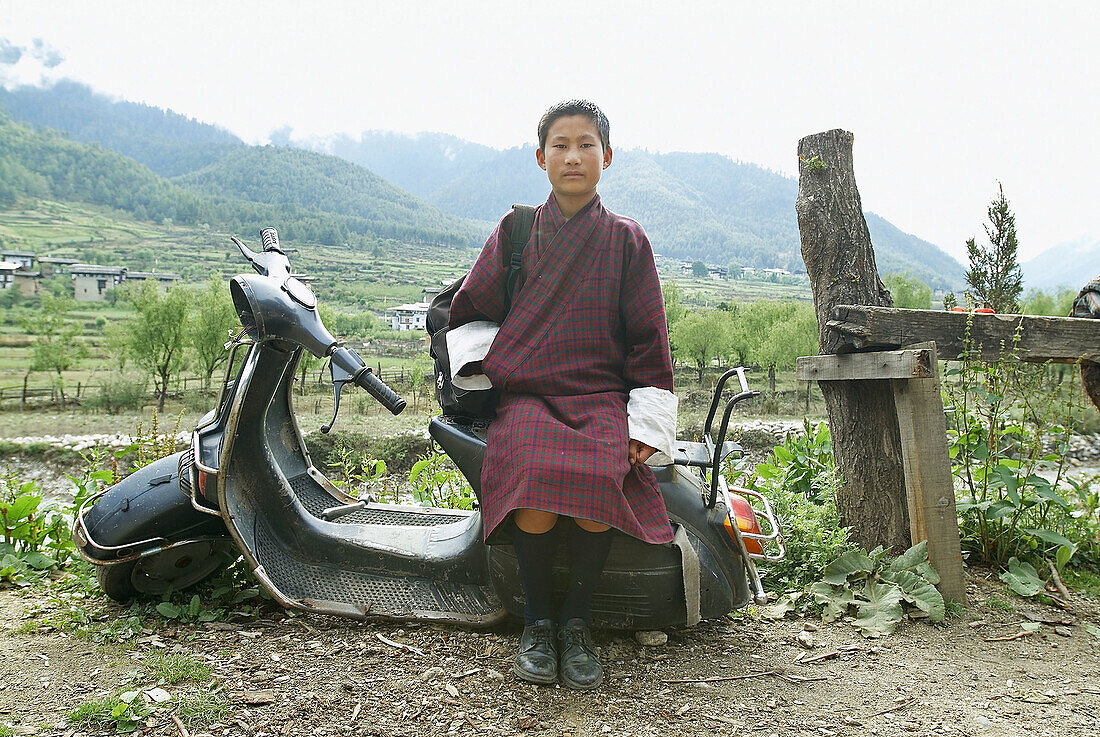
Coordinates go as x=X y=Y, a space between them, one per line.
x=118 y=392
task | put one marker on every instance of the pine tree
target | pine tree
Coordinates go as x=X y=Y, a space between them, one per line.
x=994 y=275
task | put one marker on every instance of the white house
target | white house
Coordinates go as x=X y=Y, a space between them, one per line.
x=91 y=281
x=413 y=316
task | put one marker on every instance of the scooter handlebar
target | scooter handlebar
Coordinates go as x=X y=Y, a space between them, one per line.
x=377 y=388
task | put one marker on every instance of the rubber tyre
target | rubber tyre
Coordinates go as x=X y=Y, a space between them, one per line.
x=173 y=569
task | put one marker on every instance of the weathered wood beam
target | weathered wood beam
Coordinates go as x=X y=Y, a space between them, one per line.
x=907 y=364
x=1027 y=338
x=929 y=486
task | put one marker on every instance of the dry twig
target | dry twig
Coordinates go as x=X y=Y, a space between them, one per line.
x=1016 y=636
x=1058 y=581
x=717 y=679
x=899 y=707
x=179 y=726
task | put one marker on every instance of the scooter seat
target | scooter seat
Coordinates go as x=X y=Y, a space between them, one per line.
x=687 y=453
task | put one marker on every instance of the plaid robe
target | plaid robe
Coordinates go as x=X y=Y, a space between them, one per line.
x=586 y=326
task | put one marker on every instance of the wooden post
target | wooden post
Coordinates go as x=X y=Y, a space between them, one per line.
x=929 y=486
x=840 y=262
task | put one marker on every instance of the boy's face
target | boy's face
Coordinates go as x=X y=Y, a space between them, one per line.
x=574 y=159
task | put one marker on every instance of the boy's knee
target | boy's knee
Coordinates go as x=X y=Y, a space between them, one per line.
x=535 y=521
x=590 y=525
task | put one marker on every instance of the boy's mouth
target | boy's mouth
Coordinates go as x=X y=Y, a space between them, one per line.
x=570 y=174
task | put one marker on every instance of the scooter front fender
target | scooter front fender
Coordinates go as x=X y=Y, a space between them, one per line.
x=143 y=514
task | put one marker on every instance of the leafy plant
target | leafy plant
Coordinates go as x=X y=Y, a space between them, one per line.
x=35 y=536
x=437 y=482
x=359 y=472
x=800 y=480
x=876 y=588
x=125 y=712
x=1009 y=439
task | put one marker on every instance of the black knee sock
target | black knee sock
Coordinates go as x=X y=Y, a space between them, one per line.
x=535 y=555
x=587 y=557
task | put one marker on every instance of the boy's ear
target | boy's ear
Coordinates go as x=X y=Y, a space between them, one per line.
x=607 y=157
x=540 y=157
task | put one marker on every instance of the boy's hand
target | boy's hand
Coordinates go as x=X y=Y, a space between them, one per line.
x=639 y=452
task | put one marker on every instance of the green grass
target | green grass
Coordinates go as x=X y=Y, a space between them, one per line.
x=1083 y=581
x=201 y=709
x=996 y=602
x=6 y=731
x=169 y=668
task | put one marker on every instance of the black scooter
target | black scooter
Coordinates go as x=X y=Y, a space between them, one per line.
x=247 y=486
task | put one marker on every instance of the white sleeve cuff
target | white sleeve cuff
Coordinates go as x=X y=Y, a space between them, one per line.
x=651 y=419
x=467 y=346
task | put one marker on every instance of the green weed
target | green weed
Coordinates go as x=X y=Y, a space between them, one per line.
x=125 y=712
x=437 y=482
x=201 y=709
x=171 y=668
x=996 y=602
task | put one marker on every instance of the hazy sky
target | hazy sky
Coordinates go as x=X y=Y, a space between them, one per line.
x=945 y=99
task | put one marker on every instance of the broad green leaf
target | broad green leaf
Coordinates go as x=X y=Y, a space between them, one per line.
x=194 y=607
x=1008 y=478
x=880 y=613
x=1093 y=630
x=168 y=610
x=852 y=562
x=1002 y=508
x=1050 y=537
x=1030 y=626
x=911 y=558
x=1063 y=555
x=835 y=599
x=928 y=573
x=918 y=592
x=40 y=561
x=1022 y=578
x=22 y=507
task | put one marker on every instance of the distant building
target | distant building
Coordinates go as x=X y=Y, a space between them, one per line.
x=7 y=273
x=15 y=276
x=163 y=281
x=23 y=259
x=412 y=316
x=91 y=281
x=51 y=265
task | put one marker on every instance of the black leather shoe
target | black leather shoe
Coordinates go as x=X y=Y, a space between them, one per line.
x=537 y=659
x=580 y=668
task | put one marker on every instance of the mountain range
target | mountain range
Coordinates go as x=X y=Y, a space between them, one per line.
x=429 y=188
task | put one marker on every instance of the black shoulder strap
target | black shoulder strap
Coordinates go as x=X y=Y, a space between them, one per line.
x=523 y=219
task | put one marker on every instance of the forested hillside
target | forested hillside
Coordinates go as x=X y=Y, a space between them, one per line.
x=276 y=175
x=43 y=163
x=168 y=143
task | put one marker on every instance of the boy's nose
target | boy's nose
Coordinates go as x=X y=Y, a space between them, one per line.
x=572 y=156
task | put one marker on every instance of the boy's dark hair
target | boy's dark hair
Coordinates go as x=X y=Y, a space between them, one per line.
x=575 y=107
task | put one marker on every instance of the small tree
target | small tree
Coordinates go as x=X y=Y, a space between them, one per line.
x=700 y=337
x=210 y=326
x=699 y=269
x=158 y=334
x=908 y=291
x=56 y=344
x=994 y=275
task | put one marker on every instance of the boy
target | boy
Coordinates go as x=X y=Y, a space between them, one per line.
x=585 y=377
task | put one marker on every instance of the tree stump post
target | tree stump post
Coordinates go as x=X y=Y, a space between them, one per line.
x=840 y=262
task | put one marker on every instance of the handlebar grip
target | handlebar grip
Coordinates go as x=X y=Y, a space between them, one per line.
x=377 y=389
x=270 y=238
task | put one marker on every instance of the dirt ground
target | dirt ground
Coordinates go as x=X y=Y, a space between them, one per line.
x=298 y=675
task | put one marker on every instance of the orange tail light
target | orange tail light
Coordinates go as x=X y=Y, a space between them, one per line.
x=746 y=522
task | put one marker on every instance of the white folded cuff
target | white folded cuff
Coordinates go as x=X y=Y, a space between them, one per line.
x=651 y=419
x=467 y=346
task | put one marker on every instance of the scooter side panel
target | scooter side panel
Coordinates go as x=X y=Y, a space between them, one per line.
x=148 y=505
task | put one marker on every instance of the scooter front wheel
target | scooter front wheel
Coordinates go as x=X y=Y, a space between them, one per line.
x=173 y=569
